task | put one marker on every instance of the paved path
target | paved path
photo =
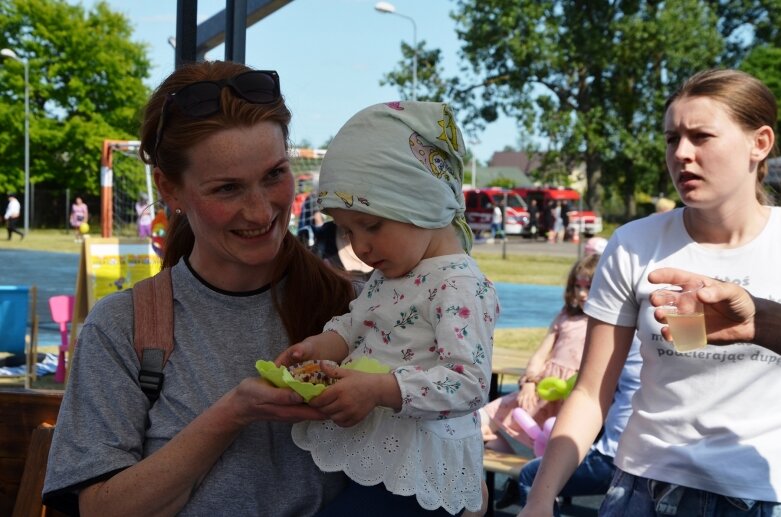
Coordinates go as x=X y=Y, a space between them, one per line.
x=520 y=246
x=55 y=273
x=52 y=273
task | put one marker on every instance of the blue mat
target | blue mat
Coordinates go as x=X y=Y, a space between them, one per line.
x=528 y=306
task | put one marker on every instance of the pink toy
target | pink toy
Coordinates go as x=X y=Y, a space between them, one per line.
x=542 y=440
x=539 y=436
x=61 y=307
x=527 y=423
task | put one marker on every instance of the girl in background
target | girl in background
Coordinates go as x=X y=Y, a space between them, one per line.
x=79 y=216
x=558 y=355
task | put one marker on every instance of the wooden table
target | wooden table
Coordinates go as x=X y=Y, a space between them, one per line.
x=506 y=361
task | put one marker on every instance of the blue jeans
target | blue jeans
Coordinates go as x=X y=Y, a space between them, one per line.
x=592 y=477
x=375 y=501
x=643 y=497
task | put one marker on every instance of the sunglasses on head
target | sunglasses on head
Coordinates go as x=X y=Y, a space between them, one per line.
x=201 y=99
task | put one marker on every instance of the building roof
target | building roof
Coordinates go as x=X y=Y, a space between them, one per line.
x=485 y=175
x=518 y=159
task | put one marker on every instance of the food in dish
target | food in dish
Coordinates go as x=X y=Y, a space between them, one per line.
x=312 y=371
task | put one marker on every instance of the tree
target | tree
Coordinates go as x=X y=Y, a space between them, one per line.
x=85 y=86
x=429 y=74
x=765 y=63
x=590 y=78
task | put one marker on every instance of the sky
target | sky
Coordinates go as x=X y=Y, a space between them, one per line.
x=330 y=55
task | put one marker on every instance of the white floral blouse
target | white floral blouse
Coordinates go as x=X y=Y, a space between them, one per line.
x=434 y=328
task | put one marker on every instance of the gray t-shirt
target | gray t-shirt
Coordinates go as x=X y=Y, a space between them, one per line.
x=101 y=427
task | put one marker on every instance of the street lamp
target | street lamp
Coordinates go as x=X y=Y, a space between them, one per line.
x=389 y=8
x=7 y=52
x=474 y=162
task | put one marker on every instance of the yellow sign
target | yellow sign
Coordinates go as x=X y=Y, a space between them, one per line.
x=107 y=266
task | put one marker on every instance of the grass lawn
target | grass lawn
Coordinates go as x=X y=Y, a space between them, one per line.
x=46 y=240
x=523 y=269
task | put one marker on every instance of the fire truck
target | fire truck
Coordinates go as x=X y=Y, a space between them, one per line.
x=480 y=208
x=584 y=222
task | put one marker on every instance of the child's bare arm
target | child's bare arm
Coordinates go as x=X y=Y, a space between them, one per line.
x=539 y=358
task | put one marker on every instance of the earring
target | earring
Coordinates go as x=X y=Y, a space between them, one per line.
x=178 y=211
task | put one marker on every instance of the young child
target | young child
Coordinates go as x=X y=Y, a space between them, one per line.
x=558 y=355
x=392 y=180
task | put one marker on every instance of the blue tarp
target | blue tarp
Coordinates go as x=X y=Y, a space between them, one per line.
x=14 y=311
x=528 y=306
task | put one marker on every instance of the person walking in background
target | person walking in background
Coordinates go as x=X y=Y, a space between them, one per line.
x=310 y=213
x=557 y=235
x=13 y=211
x=392 y=180
x=144 y=213
x=79 y=216
x=534 y=219
x=310 y=221
x=550 y=218
x=565 y=234
x=497 y=216
x=704 y=437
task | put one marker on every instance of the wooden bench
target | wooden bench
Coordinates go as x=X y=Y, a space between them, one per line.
x=506 y=361
x=511 y=362
x=500 y=463
x=23 y=411
x=28 y=499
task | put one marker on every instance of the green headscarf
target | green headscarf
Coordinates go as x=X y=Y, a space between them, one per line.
x=402 y=161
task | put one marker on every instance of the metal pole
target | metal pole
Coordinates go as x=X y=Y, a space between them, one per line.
x=504 y=228
x=67 y=206
x=414 y=60
x=235 y=30
x=388 y=8
x=580 y=227
x=186 y=32
x=27 y=205
x=149 y=192
x=414 y=54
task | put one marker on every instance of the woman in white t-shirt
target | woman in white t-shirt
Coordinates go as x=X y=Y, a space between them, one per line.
x=704 y=437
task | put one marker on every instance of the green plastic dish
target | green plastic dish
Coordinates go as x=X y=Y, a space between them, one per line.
x=280 y=377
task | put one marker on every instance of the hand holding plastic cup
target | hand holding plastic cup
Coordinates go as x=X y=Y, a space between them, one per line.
x=685 y=315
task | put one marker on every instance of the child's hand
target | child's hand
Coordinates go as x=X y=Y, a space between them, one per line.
x=527 y=397
x=294 y=354
x=354 y=395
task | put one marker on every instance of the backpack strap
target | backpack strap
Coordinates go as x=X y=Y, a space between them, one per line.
x=153 y=329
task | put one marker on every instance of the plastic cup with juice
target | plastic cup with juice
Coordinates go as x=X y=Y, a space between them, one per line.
x=685 y=315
